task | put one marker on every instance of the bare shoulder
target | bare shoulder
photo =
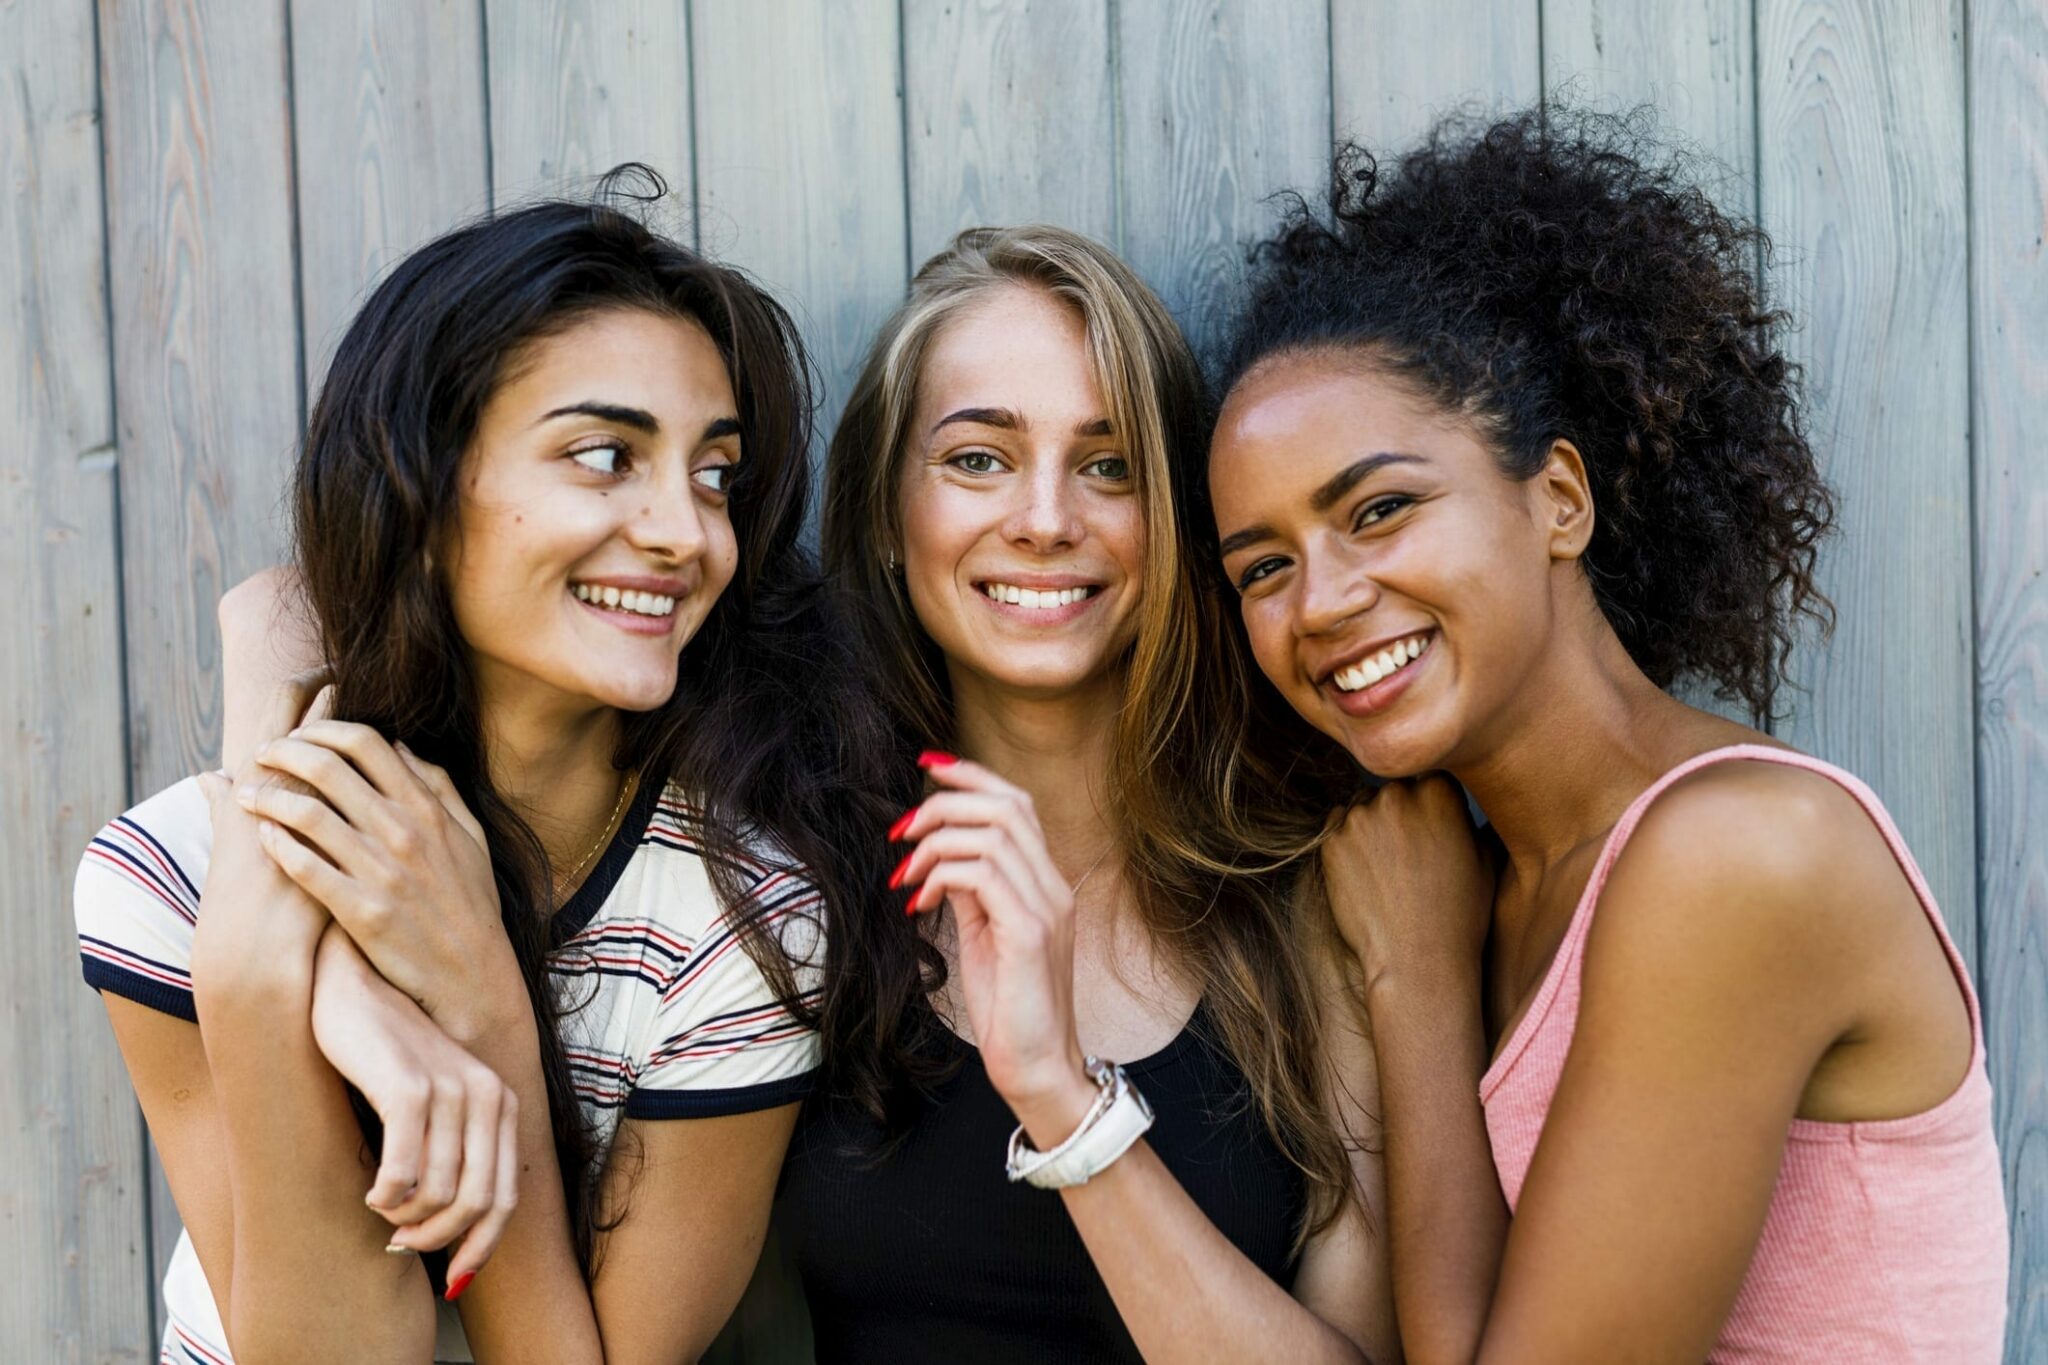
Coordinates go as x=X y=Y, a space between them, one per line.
x=1752 y=886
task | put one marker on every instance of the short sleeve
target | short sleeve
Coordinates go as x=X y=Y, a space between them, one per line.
x=136 y=898
x=720 y=1042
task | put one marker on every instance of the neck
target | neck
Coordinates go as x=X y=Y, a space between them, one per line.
x=1055 y=748
x=550 y=757
x=1585 y=735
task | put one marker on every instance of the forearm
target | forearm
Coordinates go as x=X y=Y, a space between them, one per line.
x=1447 y=1221
x=1183 y=1289
x=310 y=1275
x=531 y=1303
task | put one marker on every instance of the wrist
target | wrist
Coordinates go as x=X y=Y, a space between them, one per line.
x=486 y=1008
x=1053 y=1105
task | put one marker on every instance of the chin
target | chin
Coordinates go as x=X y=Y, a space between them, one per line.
x=1400 y=749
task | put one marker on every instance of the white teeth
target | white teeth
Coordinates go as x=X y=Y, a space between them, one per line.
x=1040 y=599
x=629 y=599
x=1382 y=665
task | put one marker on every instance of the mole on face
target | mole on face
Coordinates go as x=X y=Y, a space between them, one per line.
x=518 y=519
x=646 y=511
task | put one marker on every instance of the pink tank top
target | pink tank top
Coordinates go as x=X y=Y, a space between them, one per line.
x=1885 y=1241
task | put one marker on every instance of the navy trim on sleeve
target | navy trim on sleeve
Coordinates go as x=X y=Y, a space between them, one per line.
x=711 y=1104
x=165 y=999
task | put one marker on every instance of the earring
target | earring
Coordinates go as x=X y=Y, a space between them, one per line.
x=891 y=561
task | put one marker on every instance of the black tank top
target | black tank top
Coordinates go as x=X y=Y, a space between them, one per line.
x=933 y=1255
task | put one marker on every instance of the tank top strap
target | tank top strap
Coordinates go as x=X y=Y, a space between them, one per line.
x=1572 y=948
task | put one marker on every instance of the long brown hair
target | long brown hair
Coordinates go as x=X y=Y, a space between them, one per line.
x=377 y=488
x=1235 y=930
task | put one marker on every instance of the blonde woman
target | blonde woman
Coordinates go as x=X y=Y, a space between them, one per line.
x=999 y=513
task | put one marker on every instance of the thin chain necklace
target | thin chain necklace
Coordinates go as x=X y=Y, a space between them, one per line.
x=611 y=825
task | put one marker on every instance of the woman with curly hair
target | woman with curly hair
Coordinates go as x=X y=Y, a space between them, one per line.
x=1508 y=448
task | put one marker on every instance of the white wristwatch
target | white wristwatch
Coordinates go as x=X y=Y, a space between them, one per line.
x=1118 y=1118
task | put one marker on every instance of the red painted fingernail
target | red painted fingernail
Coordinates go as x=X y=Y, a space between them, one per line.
x=902 y=825
x=896 y=877
x=932 y=758
x=458 y=1284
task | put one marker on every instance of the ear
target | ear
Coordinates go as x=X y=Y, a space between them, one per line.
x=1564 y=499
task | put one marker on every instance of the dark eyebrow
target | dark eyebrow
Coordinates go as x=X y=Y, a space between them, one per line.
x=1346 y=479
x=983 y=417
x=1237 y=540
x=637 y=418
x=1323 y=499
x=1099 y=427
x=719 y=426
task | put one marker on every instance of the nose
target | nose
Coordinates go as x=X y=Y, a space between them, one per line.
x=1045 y=516
x=1333 y=590
x=664 y=521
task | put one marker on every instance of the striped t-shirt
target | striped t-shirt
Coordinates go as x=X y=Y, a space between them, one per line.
x=668 y=1015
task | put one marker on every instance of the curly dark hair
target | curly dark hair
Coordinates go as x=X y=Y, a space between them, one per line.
x=1560 y=274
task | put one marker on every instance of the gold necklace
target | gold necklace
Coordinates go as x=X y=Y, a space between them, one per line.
x=611 y=826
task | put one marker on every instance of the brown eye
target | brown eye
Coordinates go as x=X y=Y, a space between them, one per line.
x=717 y=478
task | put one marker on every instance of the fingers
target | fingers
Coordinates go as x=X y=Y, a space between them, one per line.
x=1011 y=921
x=313 y=821
x=1008 y=812
x=404 y=1115
x=476 y=1185
x=482 y=1239
x=437 y=782
x=317 y=877
x=440 y=1173
x=333 y=777
x=969 y=843
x=367 y=751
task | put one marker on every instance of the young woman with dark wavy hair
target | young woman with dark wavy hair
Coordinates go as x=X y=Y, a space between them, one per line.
x=1508 y=447
x=541 y=877
x=1000 y=517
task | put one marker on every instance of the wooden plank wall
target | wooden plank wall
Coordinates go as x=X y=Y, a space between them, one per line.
x=198 y=194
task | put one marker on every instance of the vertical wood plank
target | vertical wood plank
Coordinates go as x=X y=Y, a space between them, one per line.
x=1695 y=62
x=206 y=353
x=800 y=165
x=1861 y=184
x=2009 y=395
x=73 y=1193
x=206 y=340
x=389 y=130
x=1221 y=104
x=1010 y=117
x=1396 y=65
x=577 y=86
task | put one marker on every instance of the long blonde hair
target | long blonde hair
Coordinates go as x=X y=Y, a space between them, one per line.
x=1236 y=931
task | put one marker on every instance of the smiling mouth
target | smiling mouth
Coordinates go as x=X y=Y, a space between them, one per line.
x=1383 y=665
x=1037 y=599
x=649 y=604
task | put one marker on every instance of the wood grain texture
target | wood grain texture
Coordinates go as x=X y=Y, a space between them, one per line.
x=1011 y=117
x=206 y=342
x=1396 y=65
x=800 y=166
x=206 y=355
x=1861 y=185
x=73 y=1192
x=1221 y=105
x=391 y=144
x=577 y=86
x=2009 y=398
x=1694 y=62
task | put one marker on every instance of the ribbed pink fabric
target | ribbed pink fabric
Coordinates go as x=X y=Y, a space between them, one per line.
x=1885 y=1241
